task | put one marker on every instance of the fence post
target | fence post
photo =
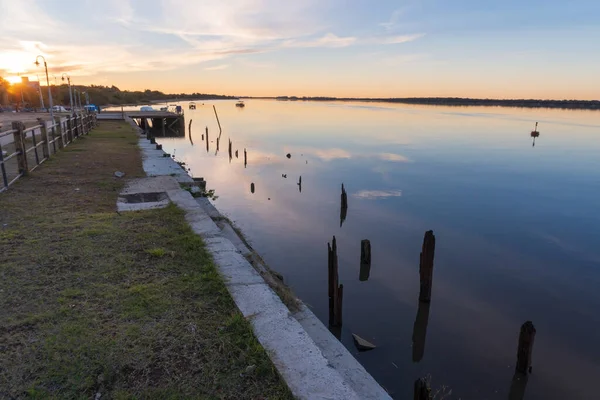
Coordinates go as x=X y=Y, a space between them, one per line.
x=61 y=142
x=19 y=141
x=44 y=134
x=69 y=130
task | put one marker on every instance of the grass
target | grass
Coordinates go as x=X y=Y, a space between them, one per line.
x=125 y=305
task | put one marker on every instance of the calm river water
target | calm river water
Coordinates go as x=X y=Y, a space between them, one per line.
x=517 y=229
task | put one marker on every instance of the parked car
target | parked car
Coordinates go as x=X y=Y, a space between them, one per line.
x=146 y=108
x=59 y=109
x=90 y=108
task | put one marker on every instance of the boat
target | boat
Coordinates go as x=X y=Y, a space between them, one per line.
x=240 y=104
x=534 y=132
x=192 y=106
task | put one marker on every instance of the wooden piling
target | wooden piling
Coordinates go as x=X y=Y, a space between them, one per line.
x=236 y=154
x=230 y=151
x=422 y=390
x=426 y=266
x=300 y=184
x=525 y=348
x=245 y=158
x=252 y=187
x=365 y=260
x=207 y=140
x=335 y=292
x=217 y=115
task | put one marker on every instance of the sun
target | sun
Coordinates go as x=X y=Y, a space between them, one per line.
x=13 y=79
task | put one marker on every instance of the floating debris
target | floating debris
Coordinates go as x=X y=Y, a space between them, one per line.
x=362 y=344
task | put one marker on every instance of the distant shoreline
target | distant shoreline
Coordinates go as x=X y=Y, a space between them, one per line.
x=455 y=101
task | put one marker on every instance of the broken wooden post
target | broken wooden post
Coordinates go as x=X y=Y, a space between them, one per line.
x=230 y=151
x=300 y=184
x=218 y=144
x=422 y=390
x=525 y=348
x=335 y=292
x=19 y=143
x=426 y=266
x=252 y=187
x=343 y=206
x=236 y=154
x=207 y=140
x=420 y=331
x=217 y=115
x=245 y=158
x=365 y=260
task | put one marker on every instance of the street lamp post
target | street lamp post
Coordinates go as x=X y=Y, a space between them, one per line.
x=40 y=91
x=48 y=83
x=70 y=92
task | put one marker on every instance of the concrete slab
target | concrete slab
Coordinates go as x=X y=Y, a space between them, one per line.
x=208 y=207
x=151 y=185
x=293 y=352
x=340 y=358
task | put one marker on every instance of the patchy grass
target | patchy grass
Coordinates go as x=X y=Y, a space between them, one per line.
x=126 y=305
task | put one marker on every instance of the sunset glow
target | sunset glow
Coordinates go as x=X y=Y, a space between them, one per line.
x=541 y=49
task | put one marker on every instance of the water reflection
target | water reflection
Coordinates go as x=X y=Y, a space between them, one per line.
x=343 y=206
x=420 y=331
x=475 y=189
x=365 y=260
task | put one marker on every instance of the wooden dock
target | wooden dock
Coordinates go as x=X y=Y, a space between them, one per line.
x=158 y=123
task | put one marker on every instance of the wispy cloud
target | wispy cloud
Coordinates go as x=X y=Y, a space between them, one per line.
x=217 y=67
x=376 y=194
x=393 y=21
x=393 y=157
x=329 y=40
x=128 y=36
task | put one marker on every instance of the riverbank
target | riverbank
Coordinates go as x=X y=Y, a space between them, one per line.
x=103 y=304
x=457 y=102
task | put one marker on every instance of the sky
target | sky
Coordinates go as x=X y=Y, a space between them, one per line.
x=545 y=49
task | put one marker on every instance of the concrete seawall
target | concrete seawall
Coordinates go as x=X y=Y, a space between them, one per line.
x=314 y=364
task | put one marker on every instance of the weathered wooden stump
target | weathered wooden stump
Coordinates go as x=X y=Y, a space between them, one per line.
x=230 y=151
x=422 y=390
x=300 y=184
x=236 y=154
x=365 y=260
x=336 y=293
x=525 y=348
x=252 y=187
x=426 y=266
x=245 y=158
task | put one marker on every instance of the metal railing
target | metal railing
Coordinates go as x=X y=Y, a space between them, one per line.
x=22 y=149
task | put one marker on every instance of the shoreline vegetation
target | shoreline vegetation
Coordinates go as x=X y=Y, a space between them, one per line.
x=456 y=101
x=106 y=96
